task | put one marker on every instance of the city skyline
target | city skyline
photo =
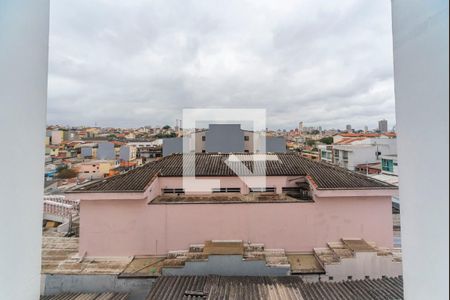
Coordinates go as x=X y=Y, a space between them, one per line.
x=173 y=124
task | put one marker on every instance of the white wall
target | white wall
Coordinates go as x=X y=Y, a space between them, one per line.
x=23 y=88
x=421 y=47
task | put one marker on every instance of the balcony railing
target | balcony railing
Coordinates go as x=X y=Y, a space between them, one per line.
x=60 y=206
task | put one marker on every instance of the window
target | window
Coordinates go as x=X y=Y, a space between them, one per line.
x=173 y=191
x=204 y=138
x=246 y=151
x=387 y=165
x=263 y=190
x=226 y=190
x=246 y=138
x=345 y=156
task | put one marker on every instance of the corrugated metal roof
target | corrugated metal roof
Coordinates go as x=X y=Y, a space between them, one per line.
x=272 y=288
x=326 y=176
x=87 y=296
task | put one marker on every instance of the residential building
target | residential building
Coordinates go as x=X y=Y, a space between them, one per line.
x=128 y=153
x=326 y=153
x=383 y=126
x=88 y=151
x=225 y=138
x=389 y=164
x=58 y=136
x=106 y=151
x=301 y=205
x=348 y=128
x=300 y=127
x=350 y=153
x=95 y=169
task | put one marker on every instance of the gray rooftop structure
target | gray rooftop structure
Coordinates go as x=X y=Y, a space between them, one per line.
x=325 y=176
x=87 y=296
x=272 y=288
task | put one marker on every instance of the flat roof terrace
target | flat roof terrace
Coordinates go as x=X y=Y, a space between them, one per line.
x=231 y=198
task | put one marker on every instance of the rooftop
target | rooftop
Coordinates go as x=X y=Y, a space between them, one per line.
x=227 y=199
x=324 y=176
x=219 y=287
x=87 y=296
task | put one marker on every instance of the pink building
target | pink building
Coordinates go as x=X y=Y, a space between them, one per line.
x=302 y=205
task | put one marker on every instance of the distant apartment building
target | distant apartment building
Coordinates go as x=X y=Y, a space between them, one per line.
x=326 y=153
x=300 y=127
x=128 y=153
x=366 y=151
x=348 y=128
x=58 y=136
x=358 y=151
x=73 y=135
x=383 y=126
x=225 y=138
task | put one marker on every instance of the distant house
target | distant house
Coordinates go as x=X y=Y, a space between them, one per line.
x=58 y=136
x=94 y=169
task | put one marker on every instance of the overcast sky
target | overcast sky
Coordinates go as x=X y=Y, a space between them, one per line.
x=140 y=62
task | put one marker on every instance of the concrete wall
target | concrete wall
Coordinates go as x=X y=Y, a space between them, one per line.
x=172 y=145
x=227 y=265
x=87 y=152
x=132 y=227
x=106 y=151
x=127 y=153
x=138 y=288
x=421 y=47
x=362 y=265
x=277 y=182
x=276 y=144
x=23 y=93
x=224 y=138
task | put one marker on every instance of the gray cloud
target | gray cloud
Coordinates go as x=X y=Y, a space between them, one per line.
x=134 y=63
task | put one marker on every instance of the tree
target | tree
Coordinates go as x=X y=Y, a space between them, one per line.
x=166 y=135
x=311 y=142
x=67 y=173
x=167 y=127
x=327 y=140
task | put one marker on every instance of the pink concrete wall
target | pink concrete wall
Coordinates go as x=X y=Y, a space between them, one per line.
x=125 y=228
